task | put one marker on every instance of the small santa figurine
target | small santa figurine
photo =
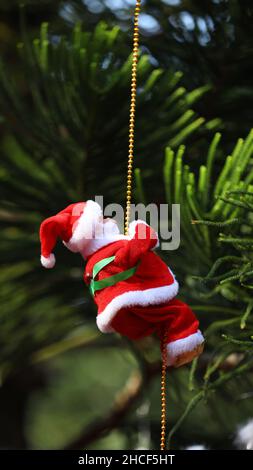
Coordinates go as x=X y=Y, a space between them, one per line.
x=134 y=290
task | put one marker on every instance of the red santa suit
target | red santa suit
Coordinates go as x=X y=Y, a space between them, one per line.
x=132 y=287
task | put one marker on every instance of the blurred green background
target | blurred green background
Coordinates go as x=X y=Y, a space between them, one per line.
x=64 y=101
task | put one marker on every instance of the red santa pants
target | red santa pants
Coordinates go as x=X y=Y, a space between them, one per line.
x=174 y=316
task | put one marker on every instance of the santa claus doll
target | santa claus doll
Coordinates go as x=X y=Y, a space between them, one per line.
x=134 y=290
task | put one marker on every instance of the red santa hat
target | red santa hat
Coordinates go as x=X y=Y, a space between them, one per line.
x=74 y=226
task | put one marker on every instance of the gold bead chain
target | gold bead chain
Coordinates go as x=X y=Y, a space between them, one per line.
x=163 y=390
x=132 y=114
x=129 y=199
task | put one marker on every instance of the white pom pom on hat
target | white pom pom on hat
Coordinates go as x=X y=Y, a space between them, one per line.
x=73 y=225
x=48 y=262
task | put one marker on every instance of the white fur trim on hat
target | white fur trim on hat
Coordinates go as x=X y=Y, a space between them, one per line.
x=48 y=262
x=85 y=226
x=175 y=348
x=153 y=296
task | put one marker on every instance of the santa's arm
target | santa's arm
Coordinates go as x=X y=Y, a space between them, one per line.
x=142 y=239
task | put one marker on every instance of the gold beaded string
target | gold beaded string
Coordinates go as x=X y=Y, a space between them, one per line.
x=132 y=114
x=129 y=199
x=163 y=390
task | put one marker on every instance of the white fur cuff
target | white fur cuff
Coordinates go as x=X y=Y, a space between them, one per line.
x=132 y=229
x=180 y=346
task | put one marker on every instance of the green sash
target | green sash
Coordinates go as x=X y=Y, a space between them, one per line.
x=111 y=280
